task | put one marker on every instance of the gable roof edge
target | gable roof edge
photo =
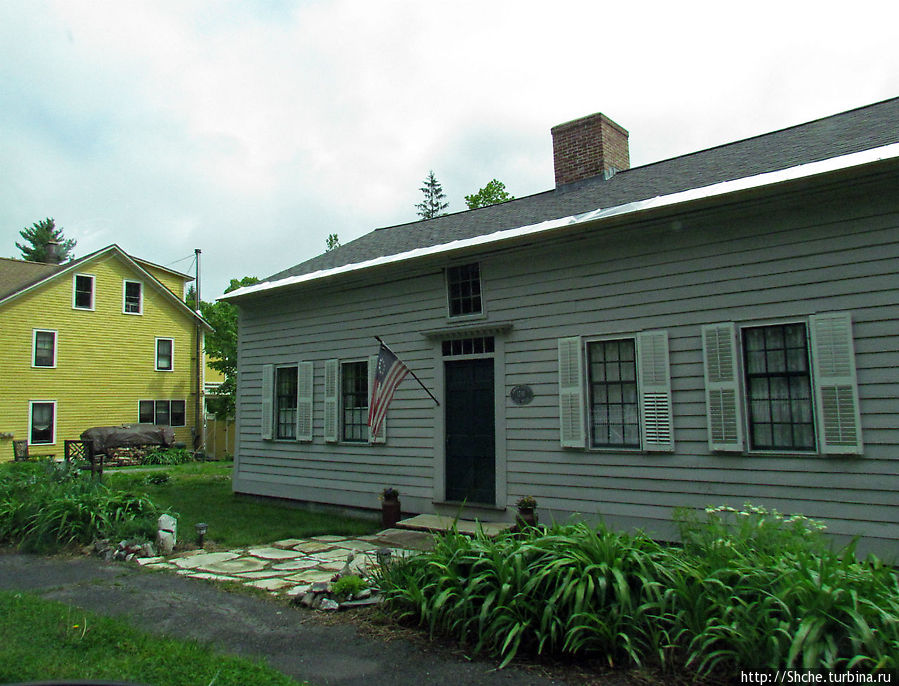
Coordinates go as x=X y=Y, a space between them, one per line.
x=810 y=169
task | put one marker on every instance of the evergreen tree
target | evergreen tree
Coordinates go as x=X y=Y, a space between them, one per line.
x=433 y=205
x=491 y=194
x=39 y=236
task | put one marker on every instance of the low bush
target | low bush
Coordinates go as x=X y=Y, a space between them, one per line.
x=168 y=456
x=748 y=589
x=44 y=506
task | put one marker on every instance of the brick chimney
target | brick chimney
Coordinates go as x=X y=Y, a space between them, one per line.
x=588 y=147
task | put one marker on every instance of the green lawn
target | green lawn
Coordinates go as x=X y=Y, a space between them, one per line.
x=42 y=640
x=201 y=492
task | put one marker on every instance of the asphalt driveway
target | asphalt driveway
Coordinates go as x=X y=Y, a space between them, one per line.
x=286 y=637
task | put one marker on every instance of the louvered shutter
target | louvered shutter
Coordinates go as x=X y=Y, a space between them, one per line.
x=571 y=392
x=722 y=387
x=836 y=386
x=655 y=392
x=268 y=401
x=382 y=434
x=331 y=401
x=304 y=401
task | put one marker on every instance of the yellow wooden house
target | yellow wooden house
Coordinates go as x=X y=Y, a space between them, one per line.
x=103 y=340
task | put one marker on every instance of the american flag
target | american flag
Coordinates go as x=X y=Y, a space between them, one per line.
x=388 y=375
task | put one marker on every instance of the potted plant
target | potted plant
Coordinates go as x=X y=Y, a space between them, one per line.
x=390 y=507
x=527 y=512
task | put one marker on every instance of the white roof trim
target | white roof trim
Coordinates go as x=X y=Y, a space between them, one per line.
x=801 y=171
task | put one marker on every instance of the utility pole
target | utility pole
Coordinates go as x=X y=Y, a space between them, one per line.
x=198 y=398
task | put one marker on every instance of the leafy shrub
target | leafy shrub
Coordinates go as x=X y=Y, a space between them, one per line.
x=348 y=585
x=157 y=479
x=44 y=507
x=168 y=456
x=749 y=588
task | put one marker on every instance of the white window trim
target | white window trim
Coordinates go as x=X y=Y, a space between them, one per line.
x=93 y=292
x=34 y=334
x=31 y=404
x=156 y=353
x=474 y=316
x=125 y=283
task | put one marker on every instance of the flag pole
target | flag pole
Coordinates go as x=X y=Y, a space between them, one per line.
x=378 y=338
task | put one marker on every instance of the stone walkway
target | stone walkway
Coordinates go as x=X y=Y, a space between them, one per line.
x=290 y=567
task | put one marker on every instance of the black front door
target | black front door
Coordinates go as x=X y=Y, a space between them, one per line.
x=470 y=440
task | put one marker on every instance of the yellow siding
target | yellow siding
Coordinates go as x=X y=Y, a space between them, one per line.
x=105 y=359
x=171 y=281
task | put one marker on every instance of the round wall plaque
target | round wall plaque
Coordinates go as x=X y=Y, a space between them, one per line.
x=522 y=395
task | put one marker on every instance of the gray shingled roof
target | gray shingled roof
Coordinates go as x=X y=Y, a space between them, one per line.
x=18 y=274
x=860 y=129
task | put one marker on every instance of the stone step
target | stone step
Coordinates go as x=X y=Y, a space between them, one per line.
x=437 y=523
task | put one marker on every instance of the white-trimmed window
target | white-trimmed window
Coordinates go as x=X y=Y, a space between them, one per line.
x=132 y=297
x=162 y=412
x=165 y=354
x=348 y=386
x=287 y=401
x=463 y=290
x=83 y=291
x=41 y=422
x=43 y=348
x=794 y=391
x=615 y=393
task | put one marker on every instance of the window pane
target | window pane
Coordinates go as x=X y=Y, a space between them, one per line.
x=163 y=417
x=42 y=422
x=464 y=289
x=146 y=412
x=84 y=292
x=132 y=296
x=286 y=402
x=779 y=387
x=613 y=393
x=354 y=400
x=178 y=413
x=44 y=348
x=164 y=354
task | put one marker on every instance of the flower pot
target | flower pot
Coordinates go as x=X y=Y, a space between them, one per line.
x=390 y=513
x=527 y=516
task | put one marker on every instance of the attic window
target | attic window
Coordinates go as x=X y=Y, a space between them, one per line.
x=463 y=285
x=133 y=297
x=83 y=292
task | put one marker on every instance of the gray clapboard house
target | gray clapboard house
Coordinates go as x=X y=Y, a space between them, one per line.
x=716 y=328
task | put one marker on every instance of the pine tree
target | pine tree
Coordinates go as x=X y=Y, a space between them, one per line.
x=433 y=205
x=39 y=236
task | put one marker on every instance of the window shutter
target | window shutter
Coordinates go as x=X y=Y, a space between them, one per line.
x=571 y=392
x=722 y=387
x=836 y=386
x=655 y=392
x=331 y=401
x=382 y=434
x=268 y=400
x=304 y=401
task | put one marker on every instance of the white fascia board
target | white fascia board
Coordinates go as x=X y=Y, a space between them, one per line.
x=801 y=171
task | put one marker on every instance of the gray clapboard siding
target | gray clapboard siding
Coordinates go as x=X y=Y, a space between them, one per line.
x=786 y=258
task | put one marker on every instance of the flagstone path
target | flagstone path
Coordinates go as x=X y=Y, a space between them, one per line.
x=289 y=567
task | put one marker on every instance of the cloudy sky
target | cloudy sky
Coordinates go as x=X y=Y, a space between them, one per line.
x=253 y=129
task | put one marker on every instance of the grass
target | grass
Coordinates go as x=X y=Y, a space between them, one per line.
x=41 y=640
x=201 y=492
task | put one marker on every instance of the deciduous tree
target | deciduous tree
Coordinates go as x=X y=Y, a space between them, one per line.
x=491 y=194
